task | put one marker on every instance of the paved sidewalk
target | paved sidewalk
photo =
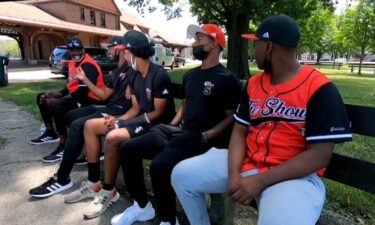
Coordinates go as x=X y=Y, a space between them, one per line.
x=21 y=169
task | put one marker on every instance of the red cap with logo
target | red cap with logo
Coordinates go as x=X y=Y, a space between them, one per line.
x=211 y=30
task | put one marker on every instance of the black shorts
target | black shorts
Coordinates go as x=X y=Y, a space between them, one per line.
x=166 y=131
x=138 y=129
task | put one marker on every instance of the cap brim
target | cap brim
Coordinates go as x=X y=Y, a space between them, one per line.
x=119 y=47
x=193 y=30
x=250 y=36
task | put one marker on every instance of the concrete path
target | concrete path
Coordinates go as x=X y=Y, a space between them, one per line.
x=21 y=169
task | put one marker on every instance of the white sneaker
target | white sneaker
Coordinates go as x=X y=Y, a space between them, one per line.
x=101 y=202
x=168 y=223
x=87 y=190
x=133 y=214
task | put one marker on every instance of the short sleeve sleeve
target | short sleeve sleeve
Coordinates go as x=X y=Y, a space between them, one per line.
x=232 y=94
x=326 y=119
x=161 y=85
x=242 y=115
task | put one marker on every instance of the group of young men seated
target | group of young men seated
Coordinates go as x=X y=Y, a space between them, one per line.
x=269 y=142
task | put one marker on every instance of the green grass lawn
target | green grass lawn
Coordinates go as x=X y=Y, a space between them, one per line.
x=354 y=90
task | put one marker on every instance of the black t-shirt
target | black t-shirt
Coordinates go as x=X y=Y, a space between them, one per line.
x=119 y=80
x=155 y=85
x=208 y=94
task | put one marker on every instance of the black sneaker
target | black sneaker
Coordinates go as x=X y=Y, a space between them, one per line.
x=50 y=188
x=55 y=155
x=83 y=160
x=47 y=137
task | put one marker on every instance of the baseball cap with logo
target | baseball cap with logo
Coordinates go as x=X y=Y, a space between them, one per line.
x=134 y=40
x=280 y=29
x=115 y=40
x=74 y=43
x=211 y=30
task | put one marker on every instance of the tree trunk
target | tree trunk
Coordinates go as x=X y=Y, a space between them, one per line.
x=361 y=60
x=238 y=23
x=319 y=55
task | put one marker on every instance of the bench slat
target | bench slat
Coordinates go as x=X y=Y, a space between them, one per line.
x=353 y=172
x=362 y=119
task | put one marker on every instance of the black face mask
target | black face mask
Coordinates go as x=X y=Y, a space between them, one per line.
x=199 y=53
x=267 y=66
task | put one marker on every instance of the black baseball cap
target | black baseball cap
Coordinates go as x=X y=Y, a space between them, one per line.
x=280 y=29
x=115 y=40
x=135 y=40
x=74 y=43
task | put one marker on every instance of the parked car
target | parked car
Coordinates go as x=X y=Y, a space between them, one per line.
x=341 y=60
x=178 y=60
x=163 y=56
x=60 y=58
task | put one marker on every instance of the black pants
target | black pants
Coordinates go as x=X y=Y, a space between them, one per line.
x=76 y=122
x=56 y=110
x=166 y=146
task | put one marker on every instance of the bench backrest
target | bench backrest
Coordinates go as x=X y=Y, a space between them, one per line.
x=350 y=171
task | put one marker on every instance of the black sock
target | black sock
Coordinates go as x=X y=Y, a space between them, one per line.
x=108 y=187
x=94 y=171
x=61 y=181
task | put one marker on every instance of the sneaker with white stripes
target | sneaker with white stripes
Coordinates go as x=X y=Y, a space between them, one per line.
x=55 y=155
x=101 y=203
x=87 y=190
x=46 y=137
x=50 y=187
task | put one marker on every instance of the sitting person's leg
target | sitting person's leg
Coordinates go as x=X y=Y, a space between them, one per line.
x=76 y=141
x=132 y=154
x=49 y=136
x=107 y=194
x=59 y=108
x=192 y=178
x=74 y=114
x=186 y=145
x=292 y=202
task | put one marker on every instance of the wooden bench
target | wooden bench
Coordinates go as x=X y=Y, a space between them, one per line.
x=365 y=65
x=332 y=64
x=353 y=172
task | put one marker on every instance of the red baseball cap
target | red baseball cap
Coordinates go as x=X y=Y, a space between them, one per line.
x=211 y=30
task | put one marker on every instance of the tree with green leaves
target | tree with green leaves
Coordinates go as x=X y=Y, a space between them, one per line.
x=235 y=16
x=317 y=33
x=358 y=29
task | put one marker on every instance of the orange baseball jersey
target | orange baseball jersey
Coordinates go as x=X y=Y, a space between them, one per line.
x=284 y=118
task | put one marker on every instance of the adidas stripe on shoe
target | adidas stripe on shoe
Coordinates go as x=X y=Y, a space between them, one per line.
x=49 y=188
x=47 y=137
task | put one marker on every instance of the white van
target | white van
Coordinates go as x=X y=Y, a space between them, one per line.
x=163 y=56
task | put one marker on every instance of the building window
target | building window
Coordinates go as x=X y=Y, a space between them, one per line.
x=82 y=12
x=102 y=19
x=92 y=17
x=117 y=23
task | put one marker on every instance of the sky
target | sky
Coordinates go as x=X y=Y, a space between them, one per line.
x=176 y=28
